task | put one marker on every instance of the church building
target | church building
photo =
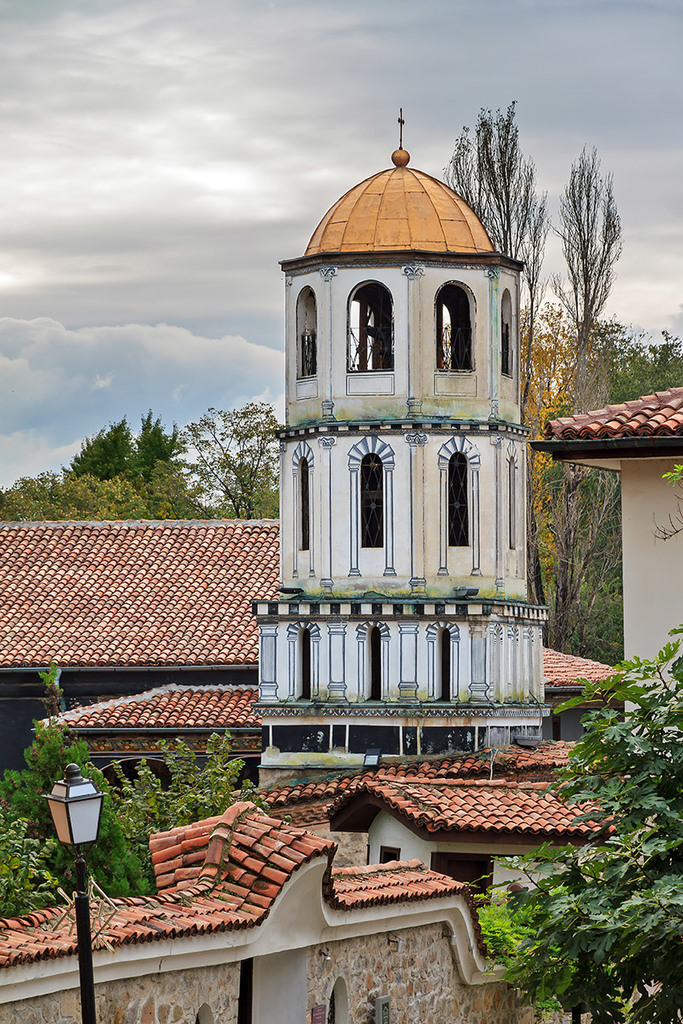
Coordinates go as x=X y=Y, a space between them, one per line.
x=402 y=626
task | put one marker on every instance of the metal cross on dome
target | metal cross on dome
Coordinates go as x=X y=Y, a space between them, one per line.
x=401 y=122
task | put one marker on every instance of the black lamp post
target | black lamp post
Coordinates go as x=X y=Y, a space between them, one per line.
x=76 y=805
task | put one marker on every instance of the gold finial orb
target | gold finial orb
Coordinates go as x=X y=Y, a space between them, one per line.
x=400 y=157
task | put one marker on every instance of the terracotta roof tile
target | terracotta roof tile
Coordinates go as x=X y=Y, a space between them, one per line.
x=171 y=707
x=134 y=593
x=564 y=669
x=658 y=415
x=241 y=839
x=218 y=894
x=497 y=806
x=354 y=887
x=204 y=897
x=310 y=801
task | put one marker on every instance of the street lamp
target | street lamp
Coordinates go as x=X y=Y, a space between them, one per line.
x=76 y=805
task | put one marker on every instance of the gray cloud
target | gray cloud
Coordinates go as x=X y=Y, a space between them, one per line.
x=58 y=385
x=160 y=156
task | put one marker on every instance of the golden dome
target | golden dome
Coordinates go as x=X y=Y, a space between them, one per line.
x=400 y=209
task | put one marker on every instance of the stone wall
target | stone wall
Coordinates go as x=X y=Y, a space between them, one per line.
x=169 y=998
x=417 y=969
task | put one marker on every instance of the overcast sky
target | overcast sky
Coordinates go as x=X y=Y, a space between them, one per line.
x=158 y=157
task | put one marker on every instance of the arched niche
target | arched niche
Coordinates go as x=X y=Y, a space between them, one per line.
x=370 y=328
x=306 y=334
x=454 y=335
x=506 y=340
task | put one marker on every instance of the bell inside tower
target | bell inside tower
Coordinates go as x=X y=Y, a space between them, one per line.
x=371 y=329
x=453 y=329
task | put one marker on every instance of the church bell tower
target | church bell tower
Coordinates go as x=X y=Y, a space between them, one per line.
x=402 y=625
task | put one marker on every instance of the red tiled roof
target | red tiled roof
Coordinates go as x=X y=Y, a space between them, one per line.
x=355 y=887
x=244 y=866
x=511 y=762
x=225 y=706
x=236 y=866
x=134 y=593
x=186 y=852
x=658 y=415
x=564 y=669
x=497 y=806
x=171 y=707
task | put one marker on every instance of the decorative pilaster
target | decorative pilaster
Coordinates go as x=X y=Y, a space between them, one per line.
x=268 y=662
x=417 y=441
x=413 y=273
x=327 y=443
x=326 y=274
x=336 y=631
x=407 y=685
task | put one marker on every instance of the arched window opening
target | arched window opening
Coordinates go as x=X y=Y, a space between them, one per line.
x=458 y=518
x=306 y=334
x=505 y=335
x=371 y=329
x=453 y=329
x=305 y=655
x=246 y=990
x=338 y=1006
x=304 y=506
x=445 y=663
x=375 y=644
x=512 y=504
x=204 y=1014
x=372 y=501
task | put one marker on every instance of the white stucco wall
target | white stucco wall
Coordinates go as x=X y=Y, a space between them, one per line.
x=385 y=830
x=653 y=568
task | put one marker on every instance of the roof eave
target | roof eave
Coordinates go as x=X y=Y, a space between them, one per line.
x=609 y=451
x=394 y=256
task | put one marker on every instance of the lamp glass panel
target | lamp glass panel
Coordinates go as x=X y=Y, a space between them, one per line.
x=85 y=819
x=60 y=818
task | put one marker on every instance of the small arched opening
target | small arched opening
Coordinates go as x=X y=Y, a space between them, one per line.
x=306 y=334
x=305 y=663
x=506 y=335
x=304 y=507
x=245 y=998
x=445 y=663
x=458 y=512
x=338 y=1006
x=204 y=1014
x=372 y=501
x=374 y=642
x=512 y=504
x=129 y=767
x=453 y=329
x=371 y=329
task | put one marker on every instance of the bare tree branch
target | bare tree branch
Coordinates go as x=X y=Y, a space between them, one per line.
x=590 y=230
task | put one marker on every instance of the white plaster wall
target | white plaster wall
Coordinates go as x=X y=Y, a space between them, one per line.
x=416 y=545
x=281 y=987
x=385 y=830
x=463 y=395
x=653 y=568
x=513 y=659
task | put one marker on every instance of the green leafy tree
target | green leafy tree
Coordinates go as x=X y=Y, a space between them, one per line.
x=237 y=460
x=609 y=915
x=639 y=366
x=107 y=454
x=114 y=866
x=60 y=496
x=146 y=804
x=153 y=445
x=26 y=882
x=115 y=451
